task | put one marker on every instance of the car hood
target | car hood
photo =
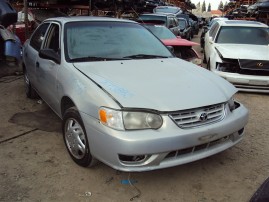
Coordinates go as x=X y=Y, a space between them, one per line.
x=160 y=84
x=178 y=42
x=242 y=51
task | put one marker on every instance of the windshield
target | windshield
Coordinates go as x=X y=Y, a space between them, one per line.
x=110 y=40
x=182 y=23
x=161 y=32
x=243 y=35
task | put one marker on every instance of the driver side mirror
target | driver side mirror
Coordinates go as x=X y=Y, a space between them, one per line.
x=50 y=54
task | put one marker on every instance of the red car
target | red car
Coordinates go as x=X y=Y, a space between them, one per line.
x=182 y=47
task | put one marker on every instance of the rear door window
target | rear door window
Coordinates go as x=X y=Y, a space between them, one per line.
x=38 y=36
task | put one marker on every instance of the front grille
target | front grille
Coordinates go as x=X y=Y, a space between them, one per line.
x=199 y=148
x=257 y=65
x=198 y=116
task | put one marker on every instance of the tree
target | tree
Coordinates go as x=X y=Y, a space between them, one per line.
x=209 y=7
x=198 y=6
x=225 y=7
x=190 y=4
x=203 y=7
x=220 y=6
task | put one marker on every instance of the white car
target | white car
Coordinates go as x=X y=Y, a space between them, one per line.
x=238 y=51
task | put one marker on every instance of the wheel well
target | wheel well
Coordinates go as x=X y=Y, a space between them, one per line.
x=66 y=103
x=23 y=67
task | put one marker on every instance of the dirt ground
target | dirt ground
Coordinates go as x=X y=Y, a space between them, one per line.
x=35 y=165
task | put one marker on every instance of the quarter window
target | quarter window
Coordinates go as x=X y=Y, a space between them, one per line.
x=213 y=30
x=53 y=41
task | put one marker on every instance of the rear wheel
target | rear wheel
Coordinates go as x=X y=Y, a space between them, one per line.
x=29 y=91
x=75 y=138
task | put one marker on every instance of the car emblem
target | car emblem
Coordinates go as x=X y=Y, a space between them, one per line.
x=203 y=117
x=259 y=64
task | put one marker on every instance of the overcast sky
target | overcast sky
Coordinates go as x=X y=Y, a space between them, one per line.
x=214 y=3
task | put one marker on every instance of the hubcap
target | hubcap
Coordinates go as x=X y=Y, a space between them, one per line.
x=75 y=138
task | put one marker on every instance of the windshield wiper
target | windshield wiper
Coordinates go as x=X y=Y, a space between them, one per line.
x=144 y=56
x=95 y=58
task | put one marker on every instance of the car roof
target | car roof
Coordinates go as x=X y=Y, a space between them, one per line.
x=178 y=42
x=173 y=7
x=87 y=18
x=159 y=14
x=241 y=23
x=182 y=19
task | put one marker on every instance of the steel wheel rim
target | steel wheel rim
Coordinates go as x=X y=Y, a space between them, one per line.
x=75 y=138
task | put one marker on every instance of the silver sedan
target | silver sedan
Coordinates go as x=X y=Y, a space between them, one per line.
x=125 y=99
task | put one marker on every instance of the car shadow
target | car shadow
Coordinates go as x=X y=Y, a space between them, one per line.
x=45 y=120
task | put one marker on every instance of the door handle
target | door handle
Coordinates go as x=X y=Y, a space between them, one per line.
x=37 y=64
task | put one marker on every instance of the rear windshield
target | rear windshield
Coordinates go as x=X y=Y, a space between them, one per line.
x=161 y=32
x=152 y=17
x=167 y=10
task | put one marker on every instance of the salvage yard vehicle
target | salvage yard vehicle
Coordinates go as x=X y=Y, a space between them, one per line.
x=185 y=28
x=125 y=103
x=182 y=48
x=168 y=20
x=238 y=51
x=206 y=28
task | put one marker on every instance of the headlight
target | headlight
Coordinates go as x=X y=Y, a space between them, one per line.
x=141 y=120
x=225 y=67
x=231 y=104
x=129 y=120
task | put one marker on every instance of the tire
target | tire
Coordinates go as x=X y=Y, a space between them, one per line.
x=29 y=91
x=189 y=37
x=208 y=65
x=204 y=59
x=75 y=138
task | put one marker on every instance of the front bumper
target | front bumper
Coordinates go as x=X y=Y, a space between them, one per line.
x=162 y=148
x=247 y=83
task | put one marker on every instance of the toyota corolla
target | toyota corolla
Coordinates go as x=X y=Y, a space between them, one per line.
x=125 y=99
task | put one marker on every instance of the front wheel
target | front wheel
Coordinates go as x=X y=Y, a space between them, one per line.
x=75 y=138
x=208 y=65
